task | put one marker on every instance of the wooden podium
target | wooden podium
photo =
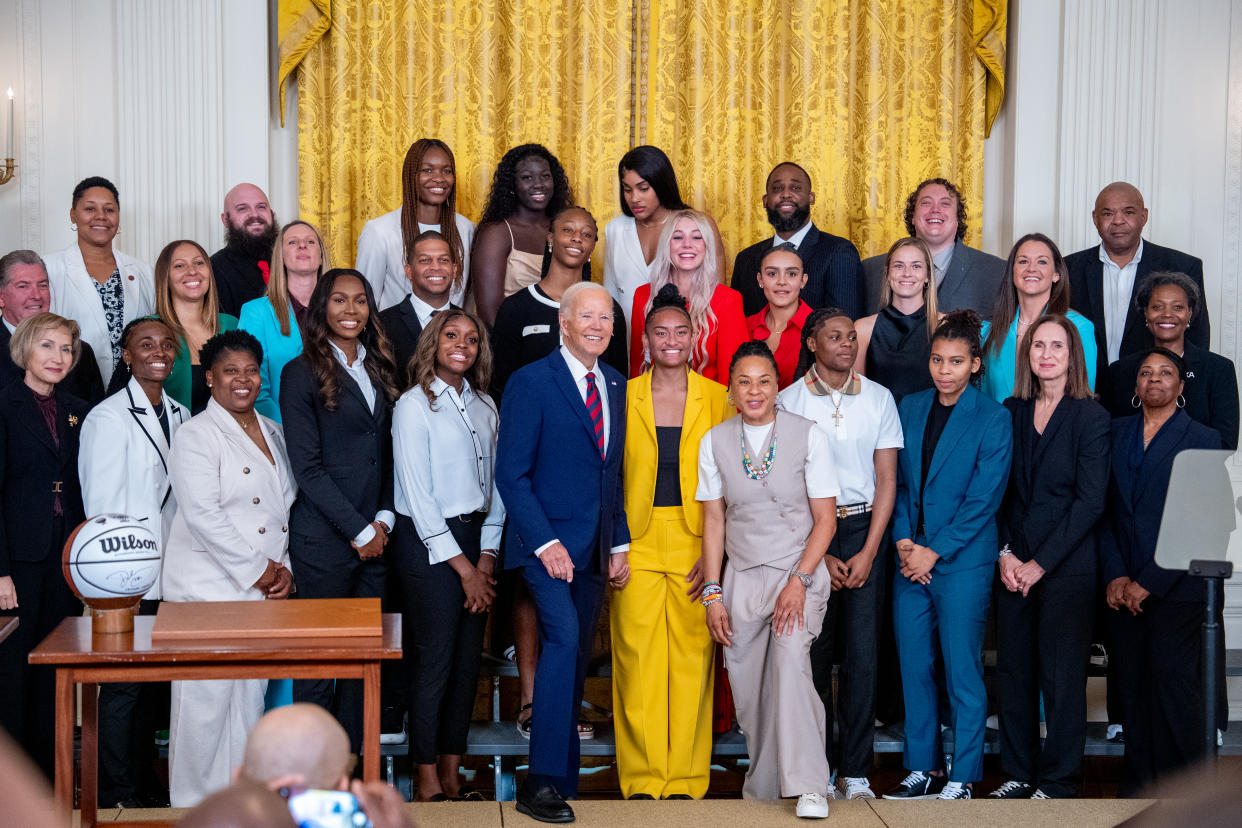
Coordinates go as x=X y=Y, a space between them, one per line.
x=300 y=639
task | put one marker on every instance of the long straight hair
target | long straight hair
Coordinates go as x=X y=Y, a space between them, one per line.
x=929 y=290
x=1007 y=301
x=702 y=283
x=448 y=209
x=209 y=306
x=1026 y=384
x=278 y=280
x=317 y=347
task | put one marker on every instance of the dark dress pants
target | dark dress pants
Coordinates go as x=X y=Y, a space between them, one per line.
x=331 y=568
x=568 y=614
x=851 y=632
x=446 y=640
x=1157 y=661
x=129 y=715
x=1044 y=643
x=43 y=601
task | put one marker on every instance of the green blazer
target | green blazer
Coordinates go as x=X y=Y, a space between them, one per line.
x=177 y=385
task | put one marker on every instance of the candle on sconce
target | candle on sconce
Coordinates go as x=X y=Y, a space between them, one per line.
x=12 y=120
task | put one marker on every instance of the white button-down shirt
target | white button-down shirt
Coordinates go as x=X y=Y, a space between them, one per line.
x=795 y=239
x=358 y=373
x=1118 y=293
x=423 y=311
x=444 y=463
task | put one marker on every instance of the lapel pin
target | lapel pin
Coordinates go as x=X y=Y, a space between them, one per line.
x=73 y=421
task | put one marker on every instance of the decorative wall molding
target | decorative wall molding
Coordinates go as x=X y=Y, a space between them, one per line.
x=1229 y=320
x=30 y=144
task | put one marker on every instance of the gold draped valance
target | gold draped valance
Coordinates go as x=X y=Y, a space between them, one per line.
x=870 y=96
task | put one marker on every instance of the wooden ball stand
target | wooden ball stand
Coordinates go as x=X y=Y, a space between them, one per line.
x=109 y=616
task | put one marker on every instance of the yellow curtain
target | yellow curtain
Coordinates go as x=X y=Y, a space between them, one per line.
x=871 y=97
x=483 y=75
x=299 y=24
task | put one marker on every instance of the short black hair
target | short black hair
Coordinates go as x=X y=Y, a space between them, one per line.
x=668 y=297
x=768 y=180
x=653 y=166
x=94 y=181
x=783 y=247
x=1148 y=286
x=810 y=328
x=234 y=340
x=964 y=326
x=1177 y=361
x=753 y=348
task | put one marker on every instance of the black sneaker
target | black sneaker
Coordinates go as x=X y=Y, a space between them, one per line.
x=917 y=785
x=1013 y=789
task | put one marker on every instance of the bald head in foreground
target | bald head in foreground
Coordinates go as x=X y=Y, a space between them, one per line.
x=298 y=740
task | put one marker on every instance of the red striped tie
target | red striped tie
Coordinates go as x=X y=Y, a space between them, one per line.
x=596 y=411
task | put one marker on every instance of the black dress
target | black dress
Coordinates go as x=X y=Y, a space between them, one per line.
x=899 y=351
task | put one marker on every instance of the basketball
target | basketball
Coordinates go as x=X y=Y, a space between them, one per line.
x=111 y=556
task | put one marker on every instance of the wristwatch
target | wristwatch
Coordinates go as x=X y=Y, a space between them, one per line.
x=804 y=578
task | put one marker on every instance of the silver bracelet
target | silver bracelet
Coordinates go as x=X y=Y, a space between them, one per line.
x=1005 y=550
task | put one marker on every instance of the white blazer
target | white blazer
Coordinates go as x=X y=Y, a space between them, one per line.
x=232 y=509
x=123 y=461
x=381 y=258
x=74 y=296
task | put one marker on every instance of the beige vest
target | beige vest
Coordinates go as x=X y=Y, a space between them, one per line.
x=767 y=521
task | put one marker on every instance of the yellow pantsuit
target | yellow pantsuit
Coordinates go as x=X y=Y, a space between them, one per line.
x=661 y=649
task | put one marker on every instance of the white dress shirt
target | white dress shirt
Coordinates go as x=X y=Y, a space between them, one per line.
x=423 y=311
x=1118 y=294
x=434 y=451
x=358 y=373
x=820 y=470
x=869 y=421
x=795 y=239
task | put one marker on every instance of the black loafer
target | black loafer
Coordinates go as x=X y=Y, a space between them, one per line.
x=641 y=796
x=679 y=796
x=543 y=804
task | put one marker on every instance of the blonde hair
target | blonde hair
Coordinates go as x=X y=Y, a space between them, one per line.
x=278 y=281
x=209 y=308
x=34 y=326
x=702 y=285
x=929 y=289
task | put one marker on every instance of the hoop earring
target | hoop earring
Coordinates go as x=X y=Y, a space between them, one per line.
x=1181 y=401
x=73 y=227
x=729 y=400
x=1134 y=402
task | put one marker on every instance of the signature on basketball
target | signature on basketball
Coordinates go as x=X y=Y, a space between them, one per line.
x=131 y=580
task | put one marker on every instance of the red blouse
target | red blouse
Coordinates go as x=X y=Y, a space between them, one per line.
x=790 y=345
x=723 y=338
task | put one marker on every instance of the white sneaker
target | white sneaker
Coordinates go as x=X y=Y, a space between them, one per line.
x=813 y=806
x=1114 y=730
x=954 y=790
x=858 y=787
x=1040 y=795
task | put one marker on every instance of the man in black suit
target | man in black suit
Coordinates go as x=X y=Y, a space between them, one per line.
x=1103 y=278
x=24 y=291
x=965 y=277
x=431 y=271
x=240 y=268
x=834 y=272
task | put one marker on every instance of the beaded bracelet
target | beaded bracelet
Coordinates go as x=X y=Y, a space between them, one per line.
x=710 y=588
x=708 y=600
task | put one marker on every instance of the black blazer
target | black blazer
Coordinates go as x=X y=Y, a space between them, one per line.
x=237 y=280
x=403 y=329
x=1086 y=273
x=1057 y=486
x=833 y=269
x=341 y=460
x=1136 y=497
x=32 y=466
x=82 y=382
x=1211 y=390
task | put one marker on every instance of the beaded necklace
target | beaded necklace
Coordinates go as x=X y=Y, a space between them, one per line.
x=768 y=459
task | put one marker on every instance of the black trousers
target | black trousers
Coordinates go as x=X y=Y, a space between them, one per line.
x=446 y=641
x=1157 y=663
x=44 y=599
x=129 y=715
x=851 y=635
x=331 y=568
x=1044 y=642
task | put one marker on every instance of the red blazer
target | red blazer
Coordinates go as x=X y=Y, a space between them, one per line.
x=790 y=346
x=722 y=338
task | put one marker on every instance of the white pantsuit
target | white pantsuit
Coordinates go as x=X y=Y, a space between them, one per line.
x=232 y=518
x=75 y=297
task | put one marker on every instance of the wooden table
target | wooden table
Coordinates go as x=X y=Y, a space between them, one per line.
x=121 y=657
x=8 y=626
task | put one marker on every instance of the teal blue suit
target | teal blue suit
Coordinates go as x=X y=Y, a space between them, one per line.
x=258 y=318
x=966 y=479
x=1000 y=368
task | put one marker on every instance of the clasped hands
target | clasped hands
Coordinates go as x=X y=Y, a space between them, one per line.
x=1018 y=576
x=916 y=561
x=850 y=574
x=559 y=565
x=1123 y=592
x=375 y=546
x=276 y=581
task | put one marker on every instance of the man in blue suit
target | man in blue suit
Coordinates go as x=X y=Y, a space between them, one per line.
x=558 y=470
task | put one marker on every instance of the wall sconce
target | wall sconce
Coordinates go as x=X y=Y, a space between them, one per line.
x=6 y=174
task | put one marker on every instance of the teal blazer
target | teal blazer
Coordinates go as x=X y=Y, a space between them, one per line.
x=999 y=369
x=178 y=384
x=258 y=318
